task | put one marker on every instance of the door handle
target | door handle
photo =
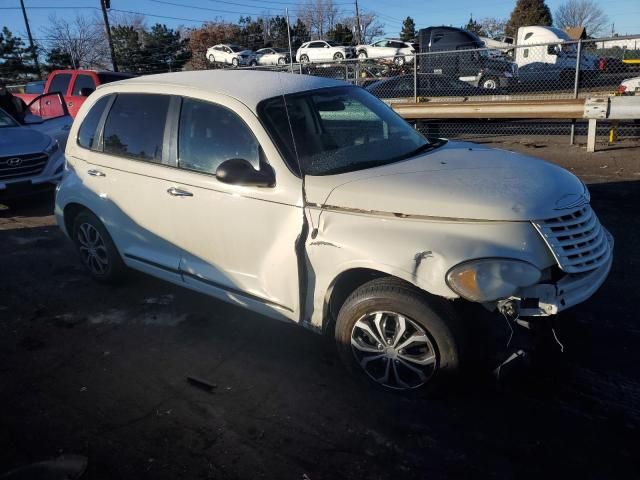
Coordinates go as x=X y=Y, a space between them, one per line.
x=178 y=192
x=96 y=173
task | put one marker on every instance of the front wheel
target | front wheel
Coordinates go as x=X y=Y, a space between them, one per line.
x=399 y=61
x=282 y=61
x=235 y=62
x=398 y=337
x=490 y=83
x=212 y=59
x=304 y=59
x=96 y=248
x=362 y=56
x=338 y=56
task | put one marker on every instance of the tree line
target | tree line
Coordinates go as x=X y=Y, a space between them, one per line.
x=80 y=42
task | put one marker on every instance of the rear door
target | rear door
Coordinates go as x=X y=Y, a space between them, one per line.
x=129 y=168
x=83 y=85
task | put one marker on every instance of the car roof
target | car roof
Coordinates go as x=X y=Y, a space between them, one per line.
x=248 y=86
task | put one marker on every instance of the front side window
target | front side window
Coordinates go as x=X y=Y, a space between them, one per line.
x=210 y=134
x=60 y=83
x=83 y=81
x=338 y=130
x=87 y=131
x=135 y=126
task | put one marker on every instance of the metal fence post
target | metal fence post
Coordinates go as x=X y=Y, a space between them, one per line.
x=576 y=86
x=415 y=78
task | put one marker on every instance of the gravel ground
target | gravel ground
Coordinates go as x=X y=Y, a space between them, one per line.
x=101 y=371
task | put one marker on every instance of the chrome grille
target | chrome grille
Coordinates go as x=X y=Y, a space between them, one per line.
x=16 y=166
x=577 y=240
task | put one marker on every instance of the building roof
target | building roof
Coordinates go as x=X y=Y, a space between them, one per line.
x=248 y=86
x=576 y=33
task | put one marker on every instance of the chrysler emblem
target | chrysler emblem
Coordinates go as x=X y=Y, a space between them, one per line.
x=14 y=162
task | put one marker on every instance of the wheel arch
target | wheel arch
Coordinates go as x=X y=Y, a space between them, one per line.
x=345 y=283
x=69 y=214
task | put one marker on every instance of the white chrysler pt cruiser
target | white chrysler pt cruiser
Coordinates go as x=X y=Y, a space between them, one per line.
x=309 y=200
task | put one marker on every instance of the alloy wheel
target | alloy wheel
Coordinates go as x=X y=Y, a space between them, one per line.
x=92 y=249
x=393 y=350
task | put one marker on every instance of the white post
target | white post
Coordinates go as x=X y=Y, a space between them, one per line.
x=286 y=10
x=591 y=136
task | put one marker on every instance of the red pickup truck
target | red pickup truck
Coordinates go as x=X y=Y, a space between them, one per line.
x=75 y=86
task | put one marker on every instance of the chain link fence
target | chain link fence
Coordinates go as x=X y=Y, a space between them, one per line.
x=530 y=71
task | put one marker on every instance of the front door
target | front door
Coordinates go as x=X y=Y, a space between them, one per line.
x=237 y=242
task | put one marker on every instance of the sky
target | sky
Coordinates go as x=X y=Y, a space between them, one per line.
x=623 y=14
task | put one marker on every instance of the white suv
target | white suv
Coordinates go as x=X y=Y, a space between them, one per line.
x=323 y=51
x=229 y=54
x=309 y=200
x=395 y=51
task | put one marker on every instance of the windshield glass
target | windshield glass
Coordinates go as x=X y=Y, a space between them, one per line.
x=6 y=120
x=337 y=130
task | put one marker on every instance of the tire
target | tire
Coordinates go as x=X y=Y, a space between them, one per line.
x=362 y=55
x=97 y=251
x=399 y=61
x=338 y=56
x=439 y=339
x=490 y=83
x=304 y=59
x=282 y=61
x=235 y=62
x=212 y=59
x=253 y=63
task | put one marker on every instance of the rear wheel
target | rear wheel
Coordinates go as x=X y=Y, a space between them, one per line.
x=235 y=62
x=338 y=56
x=362 y=55
x=96 y=248
x=399 y=61
x=282 y=61
x=304 y=59
x=399 y=338
x=490 y=83
x=212 y=59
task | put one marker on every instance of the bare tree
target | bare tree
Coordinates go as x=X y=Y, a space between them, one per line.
x=582 y=13
x=369 y=24
x=492 y=27
x=319 y=16
x=82 y=38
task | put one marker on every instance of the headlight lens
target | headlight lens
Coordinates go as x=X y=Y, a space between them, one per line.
x=490 y=279
x=52 y=148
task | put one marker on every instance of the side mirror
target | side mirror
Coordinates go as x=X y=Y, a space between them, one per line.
x=238 y=171
x=86 y=91
x=552 y=49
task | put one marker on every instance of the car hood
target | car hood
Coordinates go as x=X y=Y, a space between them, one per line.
x=22 y=140
x=457 y=180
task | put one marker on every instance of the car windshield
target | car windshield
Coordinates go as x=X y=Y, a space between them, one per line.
x=339 y=129
x=6 y=120
x=332 y=43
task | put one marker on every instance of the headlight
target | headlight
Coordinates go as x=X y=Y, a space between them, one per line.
x=52 y=148
x=490 y=279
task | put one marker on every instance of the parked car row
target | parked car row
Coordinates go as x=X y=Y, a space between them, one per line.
x=237 y=56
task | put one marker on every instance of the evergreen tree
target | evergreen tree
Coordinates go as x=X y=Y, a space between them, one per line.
x=408 y=32
x=278 y=32
x=473 y=26
x=16 y=60
x=128 y=48
x=528 y=12
x=340 y=33
x=163 y=49
x=58 y=59
x=299 y=34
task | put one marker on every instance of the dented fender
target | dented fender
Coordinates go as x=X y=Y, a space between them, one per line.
x=418 y=250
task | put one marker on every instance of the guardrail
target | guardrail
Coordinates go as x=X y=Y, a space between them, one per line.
x=591 y=109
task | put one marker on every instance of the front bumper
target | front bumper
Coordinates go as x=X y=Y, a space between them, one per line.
x=551 y=298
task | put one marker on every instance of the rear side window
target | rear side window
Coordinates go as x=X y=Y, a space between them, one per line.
x=135 y=126
x=210 y=134
x=60 y=83
x=87 y=131
x=83 y=81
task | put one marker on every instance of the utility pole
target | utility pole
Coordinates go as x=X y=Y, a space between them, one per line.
x=106 y=4
x=286 y=12
x=33 y=47
x=359 y=39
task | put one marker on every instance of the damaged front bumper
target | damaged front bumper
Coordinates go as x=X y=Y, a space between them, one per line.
x=546 y=299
